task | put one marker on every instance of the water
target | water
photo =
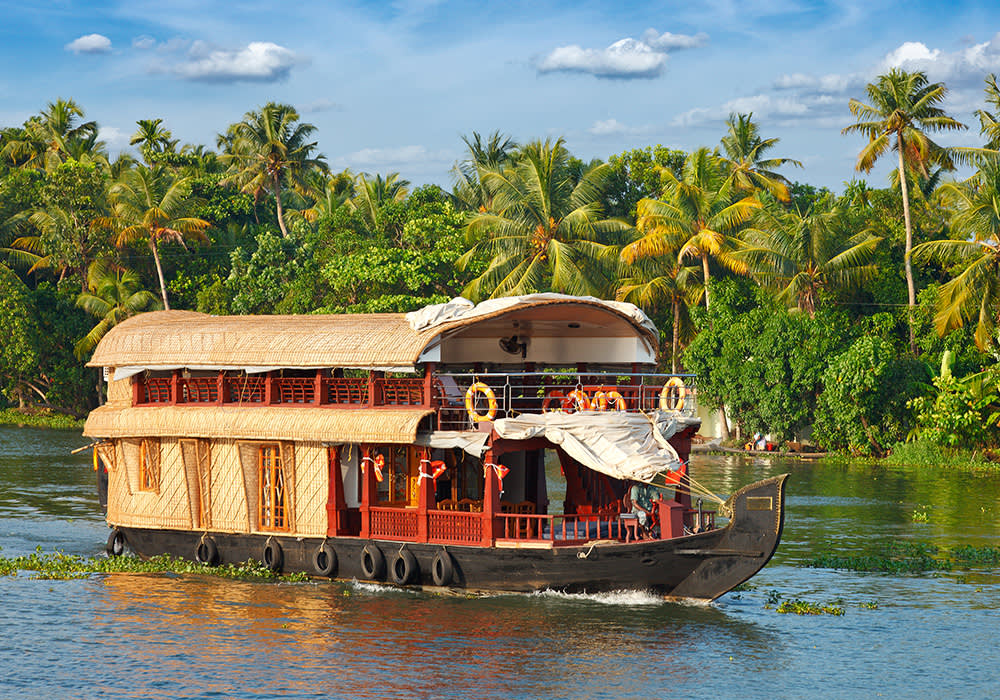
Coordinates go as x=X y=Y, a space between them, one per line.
x=143 y=636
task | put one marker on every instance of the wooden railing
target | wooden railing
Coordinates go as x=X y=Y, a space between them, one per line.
x=454 y=527
x=394 y=523
x=565 y=529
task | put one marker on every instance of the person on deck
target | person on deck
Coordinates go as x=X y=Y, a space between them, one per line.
x=641 y=496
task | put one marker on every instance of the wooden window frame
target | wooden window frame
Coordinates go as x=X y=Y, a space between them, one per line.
x=272 y=490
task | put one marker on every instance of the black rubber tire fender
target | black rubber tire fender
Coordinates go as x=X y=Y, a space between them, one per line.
x=442 y=568
x=272 y=557
x=115 y=546
x=372 y=562
x=404 y=569
x=207 y=552
x=325 y=560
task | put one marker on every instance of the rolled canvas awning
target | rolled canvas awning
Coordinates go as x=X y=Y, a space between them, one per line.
x=397 y=426
x=622 y=445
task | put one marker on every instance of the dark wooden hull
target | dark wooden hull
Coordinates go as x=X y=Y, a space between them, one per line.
x=702 y=566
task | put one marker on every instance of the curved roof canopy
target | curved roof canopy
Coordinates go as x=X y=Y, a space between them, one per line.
x=556 y=328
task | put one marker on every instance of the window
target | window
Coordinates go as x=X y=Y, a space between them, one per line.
x=399 y=475
x=273 y=496
x=149 y=466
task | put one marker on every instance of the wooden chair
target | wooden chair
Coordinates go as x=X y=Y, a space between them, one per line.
x=526 y=526
x=447 y=504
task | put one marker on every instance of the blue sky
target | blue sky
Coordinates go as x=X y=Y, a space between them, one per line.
x=392 y=86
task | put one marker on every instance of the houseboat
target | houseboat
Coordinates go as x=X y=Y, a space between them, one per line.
x=421 y=449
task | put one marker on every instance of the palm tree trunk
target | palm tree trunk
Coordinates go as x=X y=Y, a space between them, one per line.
x=704 y=267
x=159 y=273
x=911 y=292
x=676 y=335
x=276 y=186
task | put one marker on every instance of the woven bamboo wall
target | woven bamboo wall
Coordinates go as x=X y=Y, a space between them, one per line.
x=166 y=509
x=311 y=489
x=227 y=471
x=120 y=393
x=229 y=497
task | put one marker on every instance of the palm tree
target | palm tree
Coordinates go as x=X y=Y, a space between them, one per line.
x=373 y=193
x=748 y=168
x=269 y=151
x=152 y=205
x=652 y=282
x=989 y=122
x=699 y=217
x=904 y=107
x=152 y=138
x=805 y=254
x=975 y=293
x=492 y=153
x=52 y=136
x=542 y=231
x=113 y=294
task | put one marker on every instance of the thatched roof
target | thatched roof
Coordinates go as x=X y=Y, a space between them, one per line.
x=170 y=339
x=398 y=426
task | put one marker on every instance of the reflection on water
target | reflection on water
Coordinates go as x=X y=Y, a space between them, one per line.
x=140 y=636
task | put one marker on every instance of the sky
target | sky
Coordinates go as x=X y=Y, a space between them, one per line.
x=393 y=86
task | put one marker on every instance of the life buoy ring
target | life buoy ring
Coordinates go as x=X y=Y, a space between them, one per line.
x=442 y=569
x=272 y=557
x=207 y=552
x=618 y=400
x=115 y=546
x=576 y=400
x=404 y=568
x=553 y=396
x=602 y=400
x=372 y=562
x=672 y=393
x=325 y=560
x=470 y=402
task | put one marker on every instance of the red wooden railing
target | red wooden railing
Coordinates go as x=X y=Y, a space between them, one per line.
x=393 y=523
x=198 y=390
x=155 y=390
x=560 y=528
x=455 y=527
x=248 y=389
x=346 y=391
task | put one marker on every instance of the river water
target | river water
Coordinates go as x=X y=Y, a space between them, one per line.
x=159 y=636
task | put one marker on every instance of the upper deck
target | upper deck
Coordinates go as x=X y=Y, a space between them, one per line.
x=465 y=365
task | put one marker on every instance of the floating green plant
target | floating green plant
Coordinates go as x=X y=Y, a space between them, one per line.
x=804 y=607
x=967 y=554
x=60 y=566
x=892 y=557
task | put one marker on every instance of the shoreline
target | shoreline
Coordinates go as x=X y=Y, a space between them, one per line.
x=43 y=419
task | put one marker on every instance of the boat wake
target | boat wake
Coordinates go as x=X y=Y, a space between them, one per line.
x=624 y=597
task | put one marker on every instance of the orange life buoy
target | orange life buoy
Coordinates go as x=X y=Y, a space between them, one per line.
x=470 y=402
x=672 y=395
x=576 y=400
x=553 y=396
x=603 y=399
x=618 y=400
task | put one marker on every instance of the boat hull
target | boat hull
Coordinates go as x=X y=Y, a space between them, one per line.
x=701 y=566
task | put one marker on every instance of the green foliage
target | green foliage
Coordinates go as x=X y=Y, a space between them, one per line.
x=60 y=566
x=902 y=557
x=638 y=174
x=802 y=607
x=765 y=363
x=39 y=418
x=863 y=406
x=278 y=277
x=957 y=415
x=924 y=453
x=19 y=359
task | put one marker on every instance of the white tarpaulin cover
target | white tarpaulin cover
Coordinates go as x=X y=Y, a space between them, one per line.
x=621 y=445
x=460 y=307
x=473 y=443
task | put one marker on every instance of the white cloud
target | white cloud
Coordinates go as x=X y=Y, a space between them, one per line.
x=114 y=137
x=962 y=67
x=613 y=127
x=382 y=157
x=143 y=42
x=761 y=106
x=90 y=43
x=259 y=61
x=625 y=59
x=673 y=42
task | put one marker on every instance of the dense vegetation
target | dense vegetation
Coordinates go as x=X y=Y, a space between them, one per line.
x=862 y=318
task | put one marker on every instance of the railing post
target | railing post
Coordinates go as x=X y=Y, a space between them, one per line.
x=269 y=388
x=428 y=401
x=220 y=387
x=138 y=385
x=371 y=388
x=491 y=499
x=367 y=489
x=336 y=504
x=319 y=389
x=175 y=393
x=424 y=495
